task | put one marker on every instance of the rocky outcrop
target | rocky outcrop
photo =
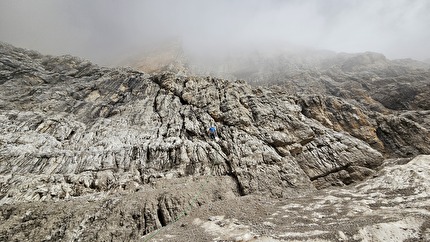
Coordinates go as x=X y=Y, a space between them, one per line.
x=391 y=206
x=404 y=135
x=112 y=216
x=366 y=78
x=114 y=154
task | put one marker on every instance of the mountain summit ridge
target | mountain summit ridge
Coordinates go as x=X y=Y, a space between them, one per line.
x=135 y=147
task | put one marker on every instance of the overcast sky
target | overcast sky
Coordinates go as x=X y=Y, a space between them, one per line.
x=103 y=30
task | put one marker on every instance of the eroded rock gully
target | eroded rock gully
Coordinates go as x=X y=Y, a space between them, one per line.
x=91 y=153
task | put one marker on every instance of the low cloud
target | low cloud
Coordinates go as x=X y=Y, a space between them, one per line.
x=107 y=30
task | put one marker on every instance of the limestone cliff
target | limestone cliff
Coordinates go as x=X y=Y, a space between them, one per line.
x=113 y=154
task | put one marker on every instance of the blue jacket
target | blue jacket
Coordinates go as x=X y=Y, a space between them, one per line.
x=212 y=130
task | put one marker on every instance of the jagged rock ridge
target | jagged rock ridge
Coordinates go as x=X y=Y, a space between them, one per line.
x=135 y=146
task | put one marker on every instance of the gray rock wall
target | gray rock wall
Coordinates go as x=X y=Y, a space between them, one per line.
x=82 y=129
x=73 y=133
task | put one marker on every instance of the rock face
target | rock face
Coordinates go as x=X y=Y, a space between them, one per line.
x=367 y=78
x=400 y=134
x=383 y=102
x=391 y=206
x=113 y=154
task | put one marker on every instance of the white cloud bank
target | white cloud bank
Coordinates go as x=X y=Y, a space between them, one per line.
x=103 y=30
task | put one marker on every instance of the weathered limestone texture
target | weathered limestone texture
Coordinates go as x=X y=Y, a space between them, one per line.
x=93 y=153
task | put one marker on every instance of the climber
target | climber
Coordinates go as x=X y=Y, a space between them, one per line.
x=212 y=132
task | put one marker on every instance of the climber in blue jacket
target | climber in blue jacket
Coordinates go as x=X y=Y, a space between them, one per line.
x=212 y=132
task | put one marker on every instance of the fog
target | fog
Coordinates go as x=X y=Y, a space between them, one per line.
x=105 y=31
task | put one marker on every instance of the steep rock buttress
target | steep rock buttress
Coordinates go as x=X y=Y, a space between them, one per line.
x=71 y=131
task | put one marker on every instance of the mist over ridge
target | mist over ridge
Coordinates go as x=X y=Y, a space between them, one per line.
x=322 y=120
x=108 y=31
